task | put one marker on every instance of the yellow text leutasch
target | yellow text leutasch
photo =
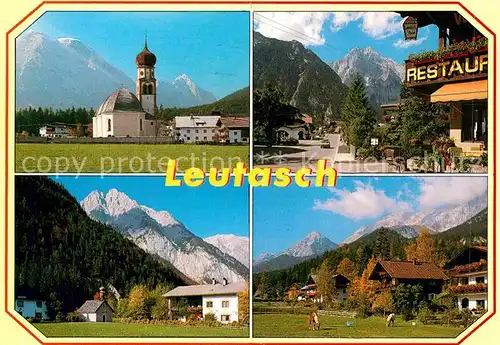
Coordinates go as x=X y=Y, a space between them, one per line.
x=257 y=177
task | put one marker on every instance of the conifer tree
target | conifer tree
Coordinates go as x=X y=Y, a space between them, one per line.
x=357 y=115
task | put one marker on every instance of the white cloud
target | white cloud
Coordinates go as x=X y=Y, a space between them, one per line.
x=377 y=25
x=364 y=202
x=304 y=27
x=438 y=191
x=407 y=44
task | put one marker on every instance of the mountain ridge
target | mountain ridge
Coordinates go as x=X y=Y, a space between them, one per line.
x=382 y=76
x=67 y=63
x=159 y=233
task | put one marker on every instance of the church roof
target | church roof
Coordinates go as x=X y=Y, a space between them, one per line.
x=145 y=57
x=120 y=100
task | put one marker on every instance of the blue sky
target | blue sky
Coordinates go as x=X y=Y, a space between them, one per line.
x=205 y=210
x=331 y=35
x=211 y=47
x=283 y=216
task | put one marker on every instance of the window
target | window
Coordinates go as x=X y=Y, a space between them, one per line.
x=479 y=280
x=204 y=131
x=142 y=73
x=225 y=304
x=38 y=304
x=152 y=123
x=109 y=125
x=235 y=133
x=204 y=138
x=20 y=304
x=188 y=138
x=480 y=303
x=474 y=125
x=196 y=138
x=463 y=281
x=210 y=304
x=189 y=131
x=225 y=318
x=196 y=131
x=140 y=124
x=38 y=315
x=465 y=303
x=213 y=130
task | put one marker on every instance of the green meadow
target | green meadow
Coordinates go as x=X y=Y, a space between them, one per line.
x=125 y=158
x=295 y=326
x=117 y=329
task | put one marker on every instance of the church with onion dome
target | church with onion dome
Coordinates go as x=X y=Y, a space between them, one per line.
x=125 y=114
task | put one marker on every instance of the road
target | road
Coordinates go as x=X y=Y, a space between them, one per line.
x=307 y=154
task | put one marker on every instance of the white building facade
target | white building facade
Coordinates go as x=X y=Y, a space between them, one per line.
x=35 y=309
x=54 y=131
x=224 y=307
x=192 y=129
x=220 y=300
x=96 y=311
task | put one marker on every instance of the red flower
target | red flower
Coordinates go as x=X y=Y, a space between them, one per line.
x=473 y=38
x=454 y=41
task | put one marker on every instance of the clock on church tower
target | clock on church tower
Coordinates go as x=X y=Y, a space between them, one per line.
x=146 y=82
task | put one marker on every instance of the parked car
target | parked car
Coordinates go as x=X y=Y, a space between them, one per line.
x=325 y=144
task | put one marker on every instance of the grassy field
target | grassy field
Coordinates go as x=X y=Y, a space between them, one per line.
x=295 y=326
x=116 y=329
x=120 y=158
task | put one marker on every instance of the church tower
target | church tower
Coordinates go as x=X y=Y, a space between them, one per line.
x=146 y=82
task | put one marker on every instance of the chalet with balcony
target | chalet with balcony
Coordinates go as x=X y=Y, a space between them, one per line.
x=468 y=274
x=456 y=74
x=392 y=273
x=340 y=282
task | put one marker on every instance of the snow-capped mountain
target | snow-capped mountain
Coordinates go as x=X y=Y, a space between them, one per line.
x=382 y=76
x=437 y=220
x=64 y=72
x=158 y=232
x=313 y=244
x=236 y=246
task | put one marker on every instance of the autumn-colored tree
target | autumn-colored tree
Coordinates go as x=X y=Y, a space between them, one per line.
x=325 y=289
x=159 y=308
x=423 y=249
x=139 y=302
x=363 y=285
x=347 y=268
x=383 y=303
x=244 y=305
x=97 y=296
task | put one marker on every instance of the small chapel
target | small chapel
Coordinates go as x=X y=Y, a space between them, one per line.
x=124 y=114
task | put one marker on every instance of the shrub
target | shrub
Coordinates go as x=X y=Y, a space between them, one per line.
x=425 y=315
x=73 y=317
x=210 y=317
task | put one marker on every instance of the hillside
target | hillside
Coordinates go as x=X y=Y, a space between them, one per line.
x=306 y=81
x=63 y=255
x=236 y=103
x=383 y=242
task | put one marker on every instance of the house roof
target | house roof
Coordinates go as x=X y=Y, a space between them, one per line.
x=235 y=122
x=409 y=270
x=196 y=121
x=120 y=100
x=206 y=290
x=91 y=306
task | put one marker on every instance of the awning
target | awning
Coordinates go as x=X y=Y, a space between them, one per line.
x=461 y=91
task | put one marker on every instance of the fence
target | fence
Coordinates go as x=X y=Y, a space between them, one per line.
x=337 y=313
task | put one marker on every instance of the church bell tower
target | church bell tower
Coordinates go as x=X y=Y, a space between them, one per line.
x=146 y=82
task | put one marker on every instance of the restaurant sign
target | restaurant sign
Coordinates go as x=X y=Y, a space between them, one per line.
x=460 y=68
x=410 y=28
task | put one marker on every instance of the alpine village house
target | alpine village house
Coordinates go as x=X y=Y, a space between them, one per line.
x=465 y=276
x=219 y=299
